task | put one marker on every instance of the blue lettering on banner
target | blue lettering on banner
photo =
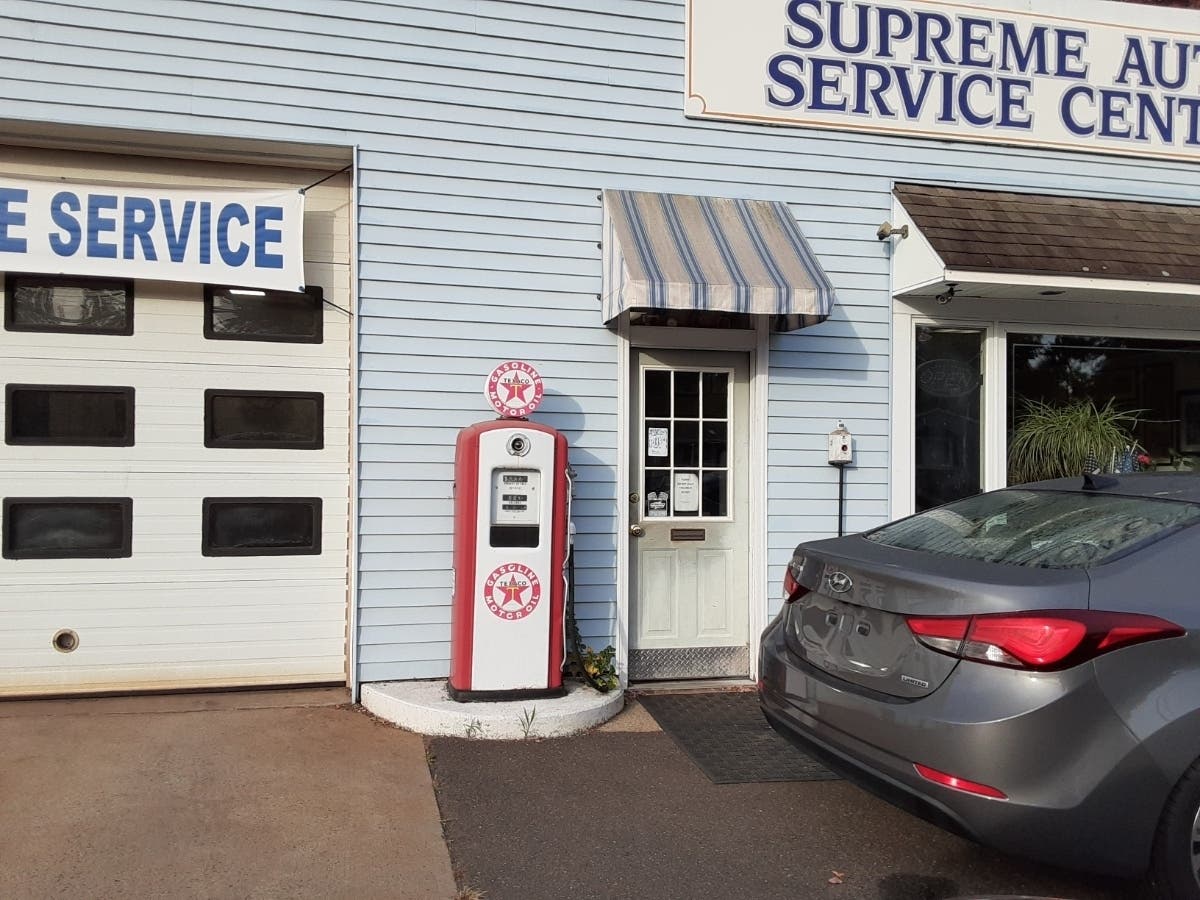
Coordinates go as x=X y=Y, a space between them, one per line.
x=234 y=212
x=177 y=240
x=61 y=207
x=139 y=220
x=242 y=237
x=98 y=225
x=263 y=235
x=895 y=63
x=205 y=233
x=11 y=217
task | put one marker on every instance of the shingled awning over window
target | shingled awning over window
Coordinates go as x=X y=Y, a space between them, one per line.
x=676 y=251
x=988 y=243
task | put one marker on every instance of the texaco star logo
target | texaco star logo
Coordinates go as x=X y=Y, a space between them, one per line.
x=514 y=389
x=512 y=591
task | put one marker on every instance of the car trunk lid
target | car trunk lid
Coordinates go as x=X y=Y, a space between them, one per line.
x=852 y=620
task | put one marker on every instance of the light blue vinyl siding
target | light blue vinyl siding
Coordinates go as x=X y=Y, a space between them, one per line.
x=486 y=131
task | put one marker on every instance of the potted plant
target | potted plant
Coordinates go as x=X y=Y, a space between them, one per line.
x=1055 y=441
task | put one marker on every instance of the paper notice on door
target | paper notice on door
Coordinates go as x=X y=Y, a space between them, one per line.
x=687 y=492
x=657 y=503
x=657 y=442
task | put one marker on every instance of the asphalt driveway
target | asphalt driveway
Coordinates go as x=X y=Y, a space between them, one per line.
x=625 y=814
x=296 y=794
x=268 y=794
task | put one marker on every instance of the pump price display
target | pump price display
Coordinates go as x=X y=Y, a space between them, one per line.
x=512 y=591
x=515 y=497
x=514 y=389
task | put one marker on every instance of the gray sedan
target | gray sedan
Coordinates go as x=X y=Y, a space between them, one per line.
x=1022 y=667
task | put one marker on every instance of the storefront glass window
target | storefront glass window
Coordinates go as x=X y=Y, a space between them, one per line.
x=1157 y=381
x=949 y=394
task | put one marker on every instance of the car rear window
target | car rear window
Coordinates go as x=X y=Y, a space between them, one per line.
x=1048 y=529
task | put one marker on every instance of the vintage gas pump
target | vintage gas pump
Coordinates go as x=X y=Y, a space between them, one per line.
x=510 y=543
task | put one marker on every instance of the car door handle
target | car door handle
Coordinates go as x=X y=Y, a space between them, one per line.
x=637 y=530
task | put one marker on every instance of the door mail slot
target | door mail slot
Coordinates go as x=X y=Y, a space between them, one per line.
x=687 y=534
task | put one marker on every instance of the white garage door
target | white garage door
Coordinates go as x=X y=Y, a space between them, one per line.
x=175 y=471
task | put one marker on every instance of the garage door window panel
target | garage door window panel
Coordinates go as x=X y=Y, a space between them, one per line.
x=262 y=526
x=245 y=314
x=60 y=304
x=68 y=415
x=67 y=527
x=264 y=419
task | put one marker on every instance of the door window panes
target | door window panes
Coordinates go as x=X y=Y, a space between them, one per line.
x=261 y=526
x=715 y=390
x=948 y=409
x=687 y=394
x=658 y=393
x=44 y=414
x=1155 y=382
x=269 y=419
x=687 y=444
x=716 y=444
x=685 y=441
x=67 y=528
x=244 y=314
x=55 y=303
x=715 y=494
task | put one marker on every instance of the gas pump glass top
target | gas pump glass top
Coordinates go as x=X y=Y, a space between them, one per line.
x=685 y=443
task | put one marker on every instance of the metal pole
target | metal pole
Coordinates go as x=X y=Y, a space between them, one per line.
x=841 y=500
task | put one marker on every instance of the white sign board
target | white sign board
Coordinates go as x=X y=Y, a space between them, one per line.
x=252 y=239
x=1069 y=75
x=657 y=441
x=687 y=492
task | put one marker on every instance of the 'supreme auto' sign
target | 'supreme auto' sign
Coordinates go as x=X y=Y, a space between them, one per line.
x=1073 y=74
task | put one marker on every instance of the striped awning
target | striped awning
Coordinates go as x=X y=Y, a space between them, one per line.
x=676 y=251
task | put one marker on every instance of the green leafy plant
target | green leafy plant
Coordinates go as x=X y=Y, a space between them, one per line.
x=600 y=667
x=474 y=728
x=1056 y=441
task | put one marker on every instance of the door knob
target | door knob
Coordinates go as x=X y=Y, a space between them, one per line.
x=637 y=530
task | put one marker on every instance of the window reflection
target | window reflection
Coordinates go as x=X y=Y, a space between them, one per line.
x=44 y=303
x=1157 y=381
x=948 y=425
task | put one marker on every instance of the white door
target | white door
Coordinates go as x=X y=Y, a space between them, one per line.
x=688 y=515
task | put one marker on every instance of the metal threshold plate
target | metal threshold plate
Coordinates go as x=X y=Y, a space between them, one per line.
x=689 y=662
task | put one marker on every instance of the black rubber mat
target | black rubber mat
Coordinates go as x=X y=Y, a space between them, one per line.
x=725 y=734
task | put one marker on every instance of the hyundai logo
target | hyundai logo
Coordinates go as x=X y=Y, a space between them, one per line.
x=839 y=582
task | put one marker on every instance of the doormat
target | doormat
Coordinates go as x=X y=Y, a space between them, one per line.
x=726 y=735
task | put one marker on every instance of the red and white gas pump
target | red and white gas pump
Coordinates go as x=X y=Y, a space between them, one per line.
x=511 y=509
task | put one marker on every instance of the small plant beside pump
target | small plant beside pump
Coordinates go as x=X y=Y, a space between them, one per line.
x=597 y=667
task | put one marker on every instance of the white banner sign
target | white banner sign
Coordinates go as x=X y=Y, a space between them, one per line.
x=249 y=239
x=1073 y=75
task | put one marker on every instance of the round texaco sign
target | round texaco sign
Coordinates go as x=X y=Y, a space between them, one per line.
x=512 y=591
x=514 y=389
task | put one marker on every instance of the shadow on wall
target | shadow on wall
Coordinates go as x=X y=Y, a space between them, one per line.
x=593 y=507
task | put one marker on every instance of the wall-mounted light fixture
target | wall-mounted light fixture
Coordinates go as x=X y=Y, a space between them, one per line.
x=886 y=230
x=947 y=295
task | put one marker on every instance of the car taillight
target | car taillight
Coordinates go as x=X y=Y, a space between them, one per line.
x=1042 y=641
x=793 y=589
